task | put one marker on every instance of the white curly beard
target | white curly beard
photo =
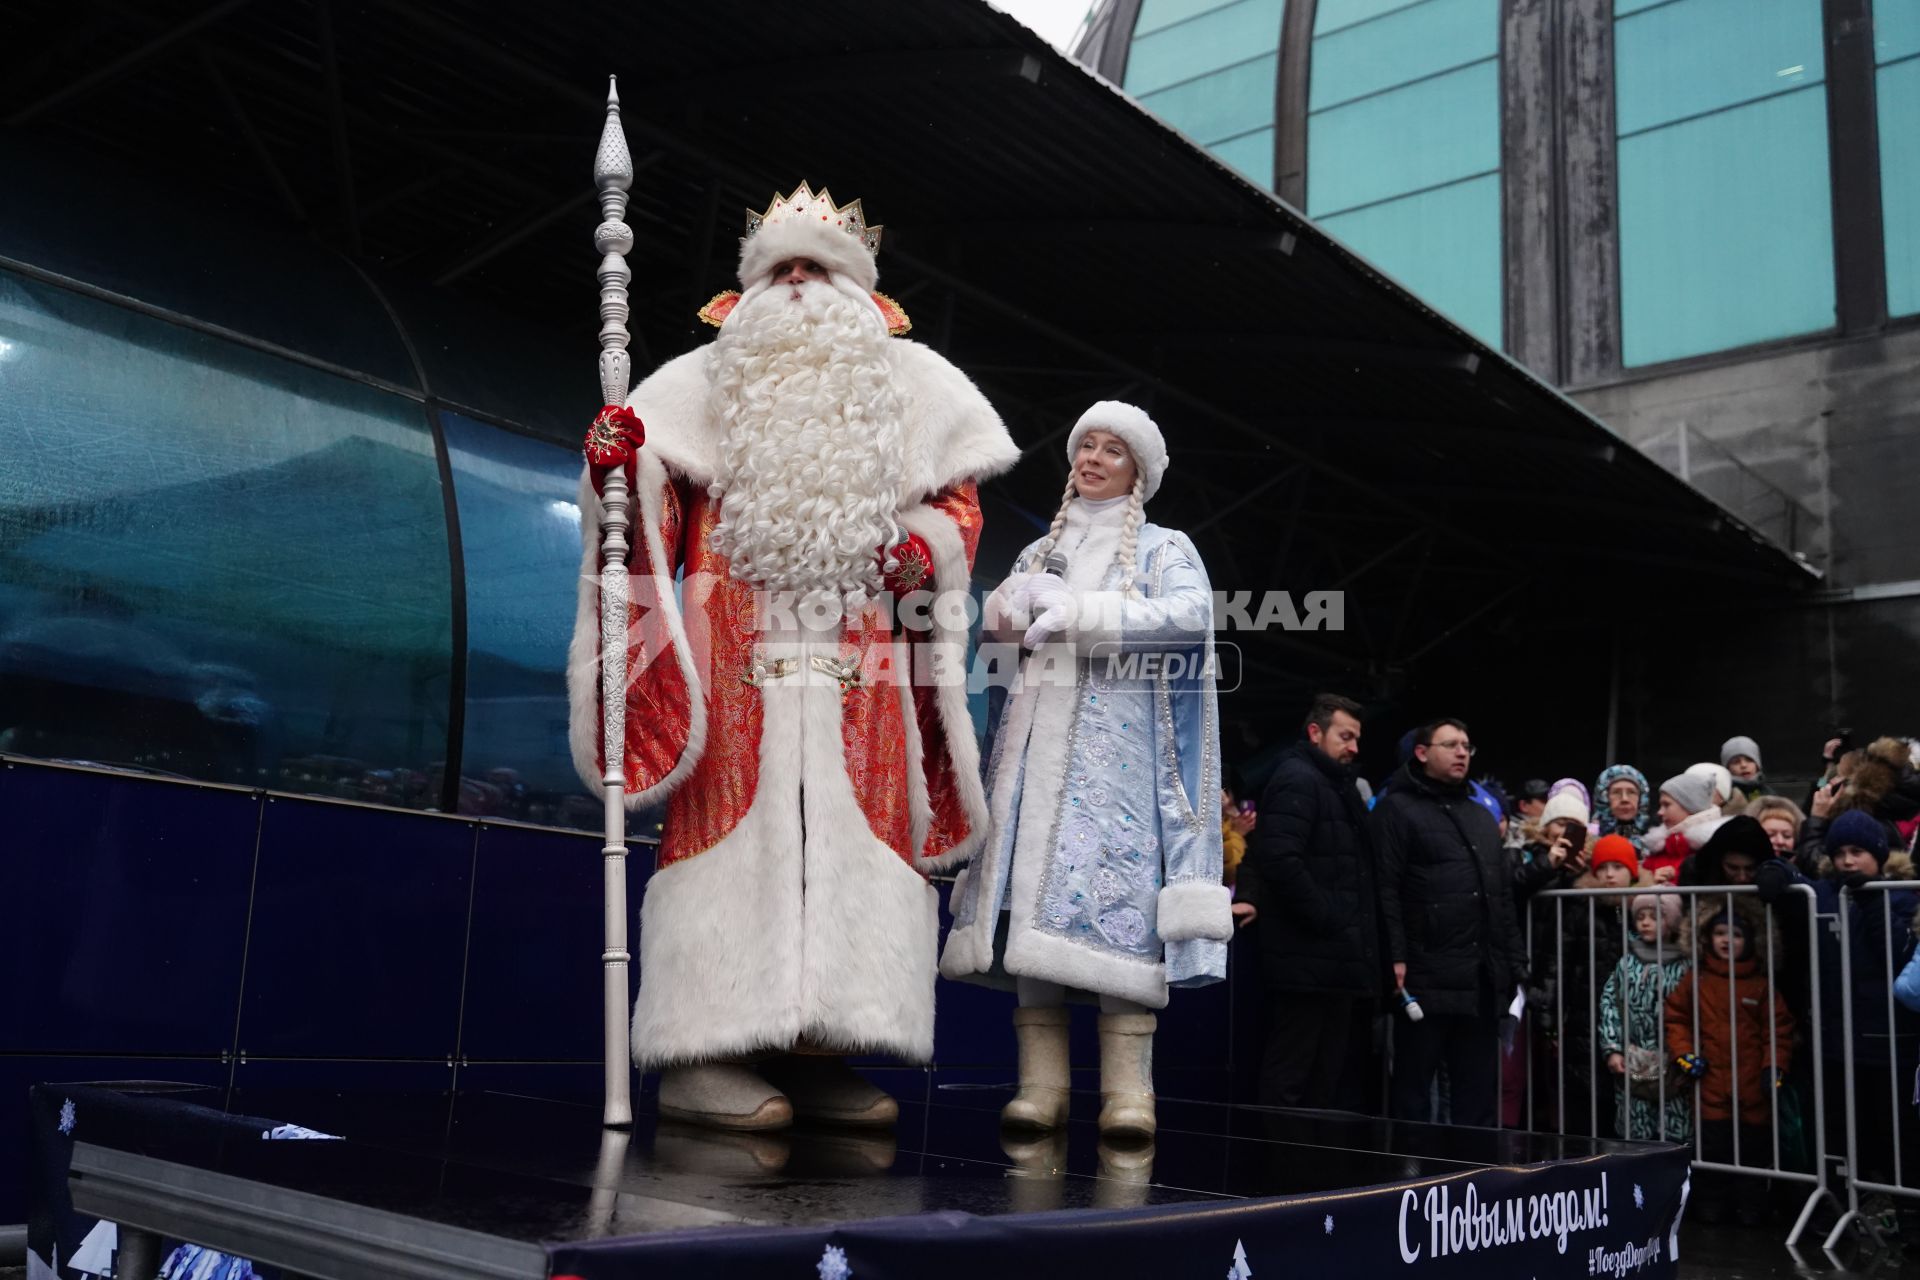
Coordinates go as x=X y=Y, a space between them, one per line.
x=812 y=467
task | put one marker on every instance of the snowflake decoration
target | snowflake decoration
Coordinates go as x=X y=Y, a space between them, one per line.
x=1328 y=1224
x=833 y=1264
x=66 y=1116
x=1639 y=1197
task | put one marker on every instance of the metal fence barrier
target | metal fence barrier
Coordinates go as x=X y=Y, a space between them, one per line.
x=1896 y=945
x=1634 y=1046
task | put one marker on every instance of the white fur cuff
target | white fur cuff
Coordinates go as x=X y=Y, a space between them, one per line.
x=1196 y=909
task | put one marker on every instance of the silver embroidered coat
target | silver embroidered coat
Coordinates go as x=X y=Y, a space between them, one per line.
x=1103 y=852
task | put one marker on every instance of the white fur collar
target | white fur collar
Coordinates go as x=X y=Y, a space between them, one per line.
x=953 y=434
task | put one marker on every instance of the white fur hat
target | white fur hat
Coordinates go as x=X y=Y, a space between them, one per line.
x=807 y=224
x=1131 y=424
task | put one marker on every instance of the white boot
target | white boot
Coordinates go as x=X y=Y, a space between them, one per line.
x=1126 y=1076
x=722 y=1096
x=824 y=1087
x=1042 y=1100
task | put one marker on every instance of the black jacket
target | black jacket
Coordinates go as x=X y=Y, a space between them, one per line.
x=1446 y=896
x=1314 y=882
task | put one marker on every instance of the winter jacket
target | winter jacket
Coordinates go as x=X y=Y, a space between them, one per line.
x=1314 y=881
x=1446 y=896
x=1868 y=914
x=1632 y=1009
x=1747 y=1029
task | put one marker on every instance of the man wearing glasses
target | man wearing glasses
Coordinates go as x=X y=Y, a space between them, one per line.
x=1452 y=931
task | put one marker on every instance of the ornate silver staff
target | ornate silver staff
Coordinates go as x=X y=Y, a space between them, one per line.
x=612 y=175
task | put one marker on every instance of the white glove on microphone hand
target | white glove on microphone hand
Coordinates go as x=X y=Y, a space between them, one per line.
x=1053 y=600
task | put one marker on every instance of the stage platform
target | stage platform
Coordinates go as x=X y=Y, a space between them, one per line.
x=486 y=1184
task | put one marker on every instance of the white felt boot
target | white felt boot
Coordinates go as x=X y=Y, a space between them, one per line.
x=722 y=1096
x=1126 y=1076
x=1042 y=1100
x=824 y=1087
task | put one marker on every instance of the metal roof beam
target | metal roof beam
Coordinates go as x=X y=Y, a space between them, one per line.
x=1377 y=355
x=255 y=143
x=126 y=62
x=337 y=123
x=873 y=71
x=1079 y=233
x=491 y=247
x=1417 y=432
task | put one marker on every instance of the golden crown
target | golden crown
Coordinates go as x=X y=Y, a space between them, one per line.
x=809 y=204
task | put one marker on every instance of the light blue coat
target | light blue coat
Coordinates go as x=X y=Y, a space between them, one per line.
x=1103 y=851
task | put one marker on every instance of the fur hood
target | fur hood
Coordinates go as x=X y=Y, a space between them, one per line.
x=1641 y=882
x=1899 y=866
x=1876 y=783
x=1752 y=915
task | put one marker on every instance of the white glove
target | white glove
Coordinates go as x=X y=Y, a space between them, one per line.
x=1054 y=600
x=1044 y=592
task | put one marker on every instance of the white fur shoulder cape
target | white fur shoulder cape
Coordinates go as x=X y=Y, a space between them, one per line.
x=952 y=433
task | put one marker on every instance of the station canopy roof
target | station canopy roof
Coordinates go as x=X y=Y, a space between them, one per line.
x=1329 y=430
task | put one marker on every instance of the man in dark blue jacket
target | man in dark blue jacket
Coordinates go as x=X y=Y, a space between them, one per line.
x=1310 y=873
x=1453 y=936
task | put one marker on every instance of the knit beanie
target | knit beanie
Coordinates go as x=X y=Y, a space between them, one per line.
x=1738 y=746
x=1667 y=904
x=1688 y=790
x=1618 y=849
x=1567 y=802
x=1860 y=829
x=1719 y=781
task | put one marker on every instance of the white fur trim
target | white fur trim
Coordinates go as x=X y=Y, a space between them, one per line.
x=952 y=433
x=1033 y=954
x=950 y=645
x=969 y=948
x=1130 y=423
x=1196 y=909
x=806 y=237
x=790 y=926
x=919 y=805
x=672 y=405
x=583 y=652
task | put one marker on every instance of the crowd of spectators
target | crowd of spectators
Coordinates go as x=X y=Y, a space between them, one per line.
x=1622 y=961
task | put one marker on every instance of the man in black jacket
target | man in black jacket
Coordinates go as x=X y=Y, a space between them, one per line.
x=1453 y=936
x=1312 y=875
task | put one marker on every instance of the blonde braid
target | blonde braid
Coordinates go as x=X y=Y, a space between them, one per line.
x=1130 y=534
x=1059 y=523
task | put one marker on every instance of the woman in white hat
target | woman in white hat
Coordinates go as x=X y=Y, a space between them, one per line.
x=1101 y=869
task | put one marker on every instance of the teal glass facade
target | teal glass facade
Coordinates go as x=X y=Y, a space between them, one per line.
x=1725 y=192
x=1896 y=56
x=1208 y=69
x=1403 y=146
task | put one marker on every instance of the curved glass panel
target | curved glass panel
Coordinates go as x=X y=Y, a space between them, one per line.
x=1208 y=69
x=215 y=562
x=1896 y=47
x=1726 y=219
x=1403 y=146
x=520 y=537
